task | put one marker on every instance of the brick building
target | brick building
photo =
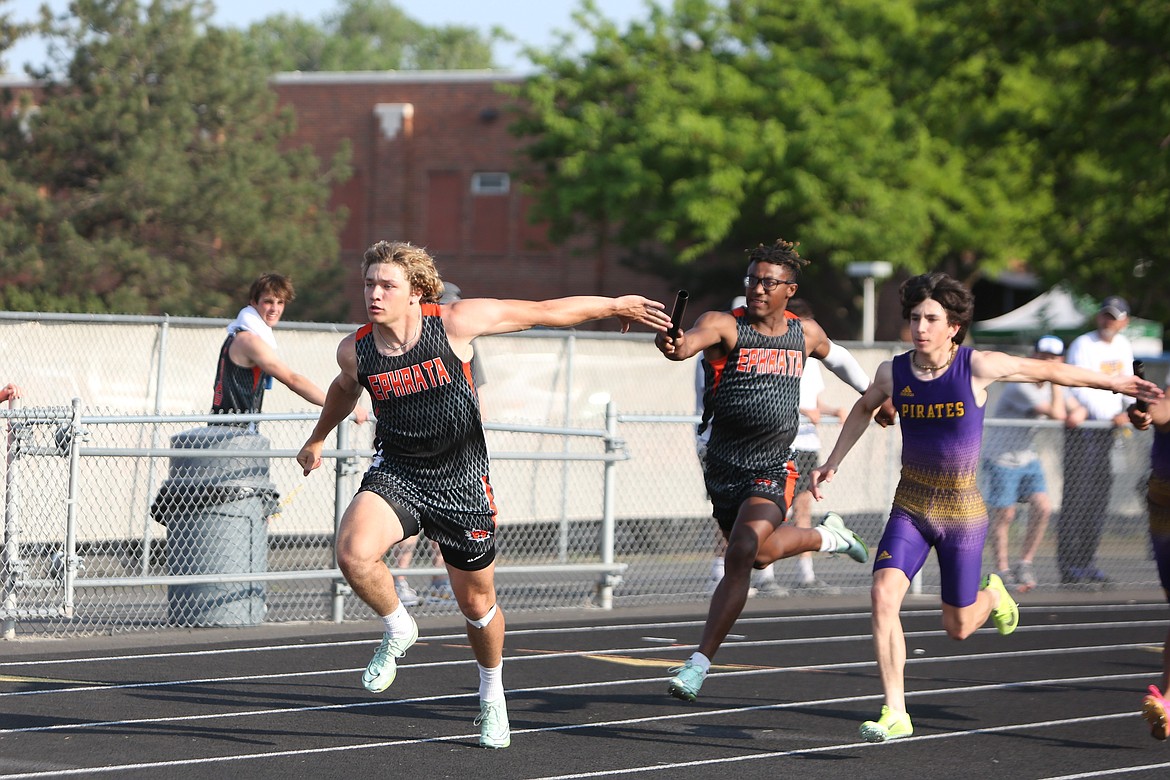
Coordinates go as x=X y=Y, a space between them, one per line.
x=433 y=162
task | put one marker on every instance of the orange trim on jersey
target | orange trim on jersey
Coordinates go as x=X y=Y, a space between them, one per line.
x=717 y=367
x=790 y=485
x=468 y=376
x=487 y=489
x=364 y=331
x=790 y=316
x=430 y=309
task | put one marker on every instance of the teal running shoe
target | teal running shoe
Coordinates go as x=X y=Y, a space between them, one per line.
x=847 y=542
x=687 y=681
x=494 y=731
x=383 y=667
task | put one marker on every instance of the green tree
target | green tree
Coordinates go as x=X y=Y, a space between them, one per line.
x=710 y=127
x=152 y=176
x=10 y=32
x=367 y=35
x=1085 y=87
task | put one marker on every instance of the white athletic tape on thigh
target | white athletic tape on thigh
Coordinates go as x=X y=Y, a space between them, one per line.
x=483 y=621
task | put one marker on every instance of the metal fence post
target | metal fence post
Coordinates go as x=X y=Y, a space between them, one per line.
x=612 y=444
x=10 y=564
x=71 y=562
x=341 y=588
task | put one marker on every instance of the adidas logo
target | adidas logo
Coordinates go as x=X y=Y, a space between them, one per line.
x=906 y=392
x=884 y=555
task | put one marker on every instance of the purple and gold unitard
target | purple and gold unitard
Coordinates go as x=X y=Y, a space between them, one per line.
x=937 y=503
x=1158 y=501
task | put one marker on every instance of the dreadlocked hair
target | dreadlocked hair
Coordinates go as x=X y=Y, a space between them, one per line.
x=781 y=252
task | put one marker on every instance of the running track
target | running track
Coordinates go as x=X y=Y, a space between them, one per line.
x=586 y=692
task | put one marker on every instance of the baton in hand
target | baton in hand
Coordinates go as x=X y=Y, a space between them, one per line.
x=676 y=315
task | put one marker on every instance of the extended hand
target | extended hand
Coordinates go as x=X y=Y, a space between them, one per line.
x=309 y=457
x=635 y=308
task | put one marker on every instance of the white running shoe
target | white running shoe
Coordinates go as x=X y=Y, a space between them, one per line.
x=383 y=667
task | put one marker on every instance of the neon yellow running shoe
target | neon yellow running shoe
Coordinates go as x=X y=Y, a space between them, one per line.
x=1007 y=615
x=891 y=725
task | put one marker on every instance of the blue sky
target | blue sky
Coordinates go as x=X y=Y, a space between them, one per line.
x=531 y=21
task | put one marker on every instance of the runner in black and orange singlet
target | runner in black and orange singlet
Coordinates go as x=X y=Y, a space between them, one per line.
x=430 y=470
x=940 y=391
x=754 y=358
x=248 y=358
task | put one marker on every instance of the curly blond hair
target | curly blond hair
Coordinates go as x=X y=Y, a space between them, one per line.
x=417 y=265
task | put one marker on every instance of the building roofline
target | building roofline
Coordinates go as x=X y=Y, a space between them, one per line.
x=394 y=77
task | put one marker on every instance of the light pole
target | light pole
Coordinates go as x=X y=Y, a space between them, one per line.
x=868 y=272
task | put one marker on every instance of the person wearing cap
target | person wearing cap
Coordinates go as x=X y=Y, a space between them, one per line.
x=1088 y=480
x=1011 y=465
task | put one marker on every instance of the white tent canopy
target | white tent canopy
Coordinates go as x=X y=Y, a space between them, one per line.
x=1055 y=310
x=1059 y=312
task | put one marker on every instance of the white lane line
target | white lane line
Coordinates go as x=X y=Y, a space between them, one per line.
x=1064 y=681
x=554 y=655
x=656 y=680
x=743 y=621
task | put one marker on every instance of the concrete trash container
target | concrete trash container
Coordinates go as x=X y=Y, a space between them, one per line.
x=216 y=511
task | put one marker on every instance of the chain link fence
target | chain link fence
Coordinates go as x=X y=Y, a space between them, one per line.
x=126 y=510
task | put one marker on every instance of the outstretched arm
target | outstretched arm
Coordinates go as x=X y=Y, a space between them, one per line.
x=467 y=319
x=989 y=366
x=343 y=395
x=710 y=329
x=259 y=354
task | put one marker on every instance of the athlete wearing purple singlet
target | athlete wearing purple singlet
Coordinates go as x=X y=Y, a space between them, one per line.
x=942 y=431
x=940 y=389
x=1155 y=707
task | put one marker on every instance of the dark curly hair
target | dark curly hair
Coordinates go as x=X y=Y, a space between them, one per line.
x=779 y=253
x=956 y=300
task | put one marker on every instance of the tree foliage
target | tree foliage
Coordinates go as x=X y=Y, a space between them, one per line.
x=367 y=35
x=965 y=136
x=152 y=177
x=1084 y=88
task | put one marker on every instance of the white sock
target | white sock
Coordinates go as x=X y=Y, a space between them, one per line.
x=398 y=622
x=491 y=682
x=701 y=661
x=804 y=569
x=829 y=542
x=717 y=569
x=766 y=574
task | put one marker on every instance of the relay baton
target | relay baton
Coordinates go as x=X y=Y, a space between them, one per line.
x=1139 y=370
x=680 y=307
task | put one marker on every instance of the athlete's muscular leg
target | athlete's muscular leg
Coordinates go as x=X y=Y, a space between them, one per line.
x=475 y=591
x=368 y=529
x=889 y=641
x=961 y=622
x=756 y=522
